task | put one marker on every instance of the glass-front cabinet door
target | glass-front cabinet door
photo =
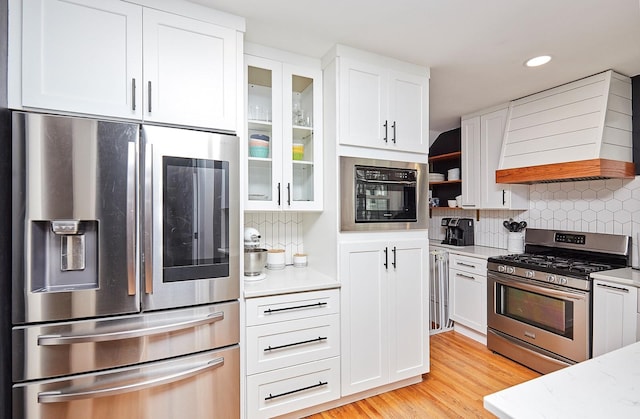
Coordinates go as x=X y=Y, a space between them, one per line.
x=284 y=149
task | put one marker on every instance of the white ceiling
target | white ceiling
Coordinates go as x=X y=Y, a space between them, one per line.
x=475 y=48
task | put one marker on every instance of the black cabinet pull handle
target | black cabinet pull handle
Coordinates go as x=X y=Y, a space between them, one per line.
x=386 y=258
x=288 y=345
x=288 y=193
x=386 y=126
x=394 y=257
x=278 y=193
x=275 y=310
x=394 y=132
x=320 y=384
x=504 y=199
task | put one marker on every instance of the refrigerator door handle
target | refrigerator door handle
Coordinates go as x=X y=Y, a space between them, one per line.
x=131 y=219
x=99 y=391
x=51 y=340
x=148 y=219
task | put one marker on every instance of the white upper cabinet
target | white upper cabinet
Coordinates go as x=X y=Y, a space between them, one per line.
x=482 y=135
x=189 y=71
x=284 y=132
x=88 y=56
x=82 y=56
x=383 y=103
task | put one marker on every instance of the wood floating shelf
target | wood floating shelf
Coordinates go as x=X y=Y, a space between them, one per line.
x=445 y=182
x=447 y=156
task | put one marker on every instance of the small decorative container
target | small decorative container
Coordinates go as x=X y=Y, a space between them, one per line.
x=300 y=260
x=298 y=151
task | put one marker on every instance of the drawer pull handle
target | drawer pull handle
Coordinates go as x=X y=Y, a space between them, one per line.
x=466 y=276
x=613 y=288
x=320 y=384
x=275 y=310
x=467 y=265
x=273 y=348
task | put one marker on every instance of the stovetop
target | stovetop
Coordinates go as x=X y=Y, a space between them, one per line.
x=554 y=264
x=565 y=257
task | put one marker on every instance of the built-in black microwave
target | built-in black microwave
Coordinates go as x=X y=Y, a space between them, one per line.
x=381 y=195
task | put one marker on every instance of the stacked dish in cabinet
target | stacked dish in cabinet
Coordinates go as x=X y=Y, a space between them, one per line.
x=293 y=348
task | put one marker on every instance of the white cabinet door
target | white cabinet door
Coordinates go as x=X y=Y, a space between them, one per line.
x=408 y=310
x=470 y=144
x=189 y=72
x=468 y=299
x=289 y=175
x=408 y=107
x=614 y=316
x=364 y=316
x=363 y=102
x=384 y=314
x=481 y=147
x=82 y=56
x=382 y=108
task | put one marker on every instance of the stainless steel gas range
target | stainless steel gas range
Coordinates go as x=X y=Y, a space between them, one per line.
x=539 y=302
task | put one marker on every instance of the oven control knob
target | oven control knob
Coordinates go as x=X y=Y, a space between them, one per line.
x=530 y=274
x=502 y=268
x=562 y=280
x=551 y=278
x=511 y=270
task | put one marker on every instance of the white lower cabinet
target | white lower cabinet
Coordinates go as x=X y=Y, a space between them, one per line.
x=293 y=352
x=384 y=312
x=615 y=310
x=468 y=291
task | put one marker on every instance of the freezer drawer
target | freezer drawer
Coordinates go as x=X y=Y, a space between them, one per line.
x=283 y=344
x=286 y=390
x=52 y=350
x=202 y=386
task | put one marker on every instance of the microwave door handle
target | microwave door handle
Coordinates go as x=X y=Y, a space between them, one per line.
x=388 y=182
x=53 y=340
x=131 y=218
x=148 y=218
x=127 y=386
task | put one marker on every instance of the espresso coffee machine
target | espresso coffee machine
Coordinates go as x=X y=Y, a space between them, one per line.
x=458 y=231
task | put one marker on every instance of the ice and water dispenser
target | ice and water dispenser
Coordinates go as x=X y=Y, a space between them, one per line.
x=65 y=256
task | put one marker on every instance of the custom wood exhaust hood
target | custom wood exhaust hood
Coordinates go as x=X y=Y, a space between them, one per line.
x=578 y=131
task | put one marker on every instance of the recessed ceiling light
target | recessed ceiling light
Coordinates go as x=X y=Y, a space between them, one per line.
x=536 y=61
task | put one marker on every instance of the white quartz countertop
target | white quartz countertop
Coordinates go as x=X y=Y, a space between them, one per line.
x=288 y=280
x=472 y=251
x=623 y=276
x=607 y=386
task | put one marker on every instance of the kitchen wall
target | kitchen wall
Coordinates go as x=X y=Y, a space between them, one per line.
x=278 y=230
x=601 y=206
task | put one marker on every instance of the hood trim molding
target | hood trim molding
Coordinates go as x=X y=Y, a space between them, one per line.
x=567 y=172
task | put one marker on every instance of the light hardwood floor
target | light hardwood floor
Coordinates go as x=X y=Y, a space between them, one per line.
x=463 y=371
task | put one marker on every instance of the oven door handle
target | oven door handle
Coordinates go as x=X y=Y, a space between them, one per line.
x=127 y=386
x=529 y=286
x=51 y=340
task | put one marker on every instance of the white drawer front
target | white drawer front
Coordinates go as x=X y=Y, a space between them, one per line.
x=299 y=305
x=284 y=344
x=283 y=391
x=476 y=266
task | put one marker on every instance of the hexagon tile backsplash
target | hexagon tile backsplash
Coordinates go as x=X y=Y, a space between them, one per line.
x=278 y=230
x=598 y=206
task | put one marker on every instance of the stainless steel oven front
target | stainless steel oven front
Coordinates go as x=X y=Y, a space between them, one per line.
x=545 y=326
x=381 y=195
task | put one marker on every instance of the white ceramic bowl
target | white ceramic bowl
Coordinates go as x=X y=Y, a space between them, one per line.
x=452 y=203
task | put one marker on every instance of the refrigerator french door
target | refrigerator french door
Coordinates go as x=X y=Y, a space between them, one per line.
x=125 y=256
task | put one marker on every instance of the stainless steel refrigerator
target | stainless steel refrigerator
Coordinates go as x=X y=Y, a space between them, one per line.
x=125 y=279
